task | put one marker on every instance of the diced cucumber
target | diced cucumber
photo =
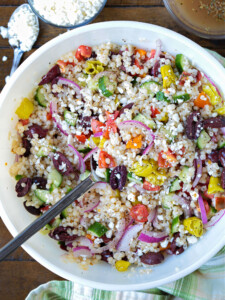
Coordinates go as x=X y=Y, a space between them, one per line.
x=147 y=121
x=181 y=62
x=175 y=225
x=97 y=229
x=132 y=177
x=184 y=97
x=56 y=223
x=52 y=187
x=85 y=150
x=84 y=175
x=152 y=87
x=175 y=185
x=161 y=97
x=40 y=98
x=37 y=201
x=70 y=117
x=167 y=201
x=107 y=174
x=55 y=177
x=64 y=213
x=43 y=151
x=18 y=177
x=42 y=194
x=82 y=80
x=46 y=229
x=221 y=143
x=106 y=86
x=168 y=134
x=69 y=189
x=93 y=85
x=184 y=174
x=203 y=139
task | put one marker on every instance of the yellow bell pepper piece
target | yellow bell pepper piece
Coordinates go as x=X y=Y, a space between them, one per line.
x=168 y=76
x=96 y=140
x=194 y=226
x=122 y=265
x=145 y=169
x=102 y=142
x=25 y=109
x=94 y=67
x=164 y=118
x=210 y=90
x=221 y=110
x=157 y=177
x=214 y=185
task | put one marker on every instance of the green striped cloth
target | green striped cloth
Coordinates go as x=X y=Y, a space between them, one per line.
x=207 y=283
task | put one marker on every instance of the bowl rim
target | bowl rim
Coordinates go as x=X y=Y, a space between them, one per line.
x=32 y=252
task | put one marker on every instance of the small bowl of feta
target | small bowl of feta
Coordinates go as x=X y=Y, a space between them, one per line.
x=67 y=13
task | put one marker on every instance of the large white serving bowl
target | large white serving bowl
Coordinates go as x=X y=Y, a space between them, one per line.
x=42 y=248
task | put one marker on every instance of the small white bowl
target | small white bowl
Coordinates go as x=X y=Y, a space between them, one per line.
x=42 y=248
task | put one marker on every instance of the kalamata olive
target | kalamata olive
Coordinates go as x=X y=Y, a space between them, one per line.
x=214 y=156
x=132 y=59
x=85 y=122
x=174 y=249
x=222 y=156
x=105 y=239
x=214 y=122
x=62 y=164
x=40 y=182
x=93 y=54
x=118 y=178
x=223 y=179
x=23 y=186
x=63 y=246
x=152 y=258
x=106 y=255
x=27 y=145
x=60 y=234
x=32 y=210
x=35 y=129
x=128 y=106
x=193 y=126
x=155 y=69
x=122 y=68
x=52 y=73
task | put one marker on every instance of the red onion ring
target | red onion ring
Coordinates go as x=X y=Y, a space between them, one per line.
x=131 y=123
x=83 y=241
x=185 y=204
x=202 y=208
x=129 y=234
x=139 y=188
x=81 y=164
x=53 y=111
x=70 y=83
x=90 y=153
x=210 y=80
x=91 y=206
x=215 y=219
x=158 y=51
x=198 y=168
x=152 y=215
x=152 y=237
x=98 y=134
x=146 y=151
x=82 y=251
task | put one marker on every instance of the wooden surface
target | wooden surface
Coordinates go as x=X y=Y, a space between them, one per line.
x=19 y=273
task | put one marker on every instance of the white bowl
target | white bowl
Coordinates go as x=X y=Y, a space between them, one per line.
x=42 y=248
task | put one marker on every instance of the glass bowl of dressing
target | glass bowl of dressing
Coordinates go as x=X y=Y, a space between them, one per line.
x=205 y=18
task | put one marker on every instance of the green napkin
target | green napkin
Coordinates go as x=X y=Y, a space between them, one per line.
x=207 y=283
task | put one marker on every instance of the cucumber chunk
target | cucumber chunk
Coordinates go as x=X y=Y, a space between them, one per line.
x=184 y=97
x=55 y=177
x=65 y=213
x=107 y=174
x=147 y=121
x=18 y=177
x=85 y=150
x=70 y=117
x=42 y=194
x=37 y=201
x=167 y=201
x=184 y=174
x=175 y=185
x=203 y=139
x=40 y=98
x=152 y=87
x=161 y=97
x=97 y=229
x=84 y=175
x=133 y=178
x=106 y=86
x=181 y=62
x=175 y=225
x=221 y=143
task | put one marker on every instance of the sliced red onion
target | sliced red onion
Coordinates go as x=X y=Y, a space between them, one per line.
x=54 y=111
x=90 y=153
x=202 y=209
x=198 y=168
x=146 y=151
x=185 y=204
x=53 y=108
x=155 y=221
x=71 y=84
x=139 y=188
x=82 y=251
x=223 y=131
x=158 y=51
x=84 y=222
x=83 y=241
x=131 y=123
x=98 y=134
x=129 y=234
x=112 y=244
x=104 y=73
x=152 y=215
x=152 y=237
x=81 y=164
x=210 y=80
x=100 y=185
x=91 y=206
x=17 y=158
x=215 y=219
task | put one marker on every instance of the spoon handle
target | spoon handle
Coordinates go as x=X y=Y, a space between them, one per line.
x=40 y=222
x=18 y=53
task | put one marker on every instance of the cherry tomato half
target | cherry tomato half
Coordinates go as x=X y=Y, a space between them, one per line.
x=139 y=213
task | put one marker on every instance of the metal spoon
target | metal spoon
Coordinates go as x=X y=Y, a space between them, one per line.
x=18 y=52
x=55 y=210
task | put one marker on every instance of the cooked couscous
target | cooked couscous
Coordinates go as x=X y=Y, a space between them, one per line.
x=150 y=125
